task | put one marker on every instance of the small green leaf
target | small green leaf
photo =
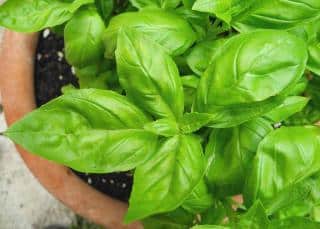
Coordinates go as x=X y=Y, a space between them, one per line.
x=83 y=38
x=223 y=9
x=105 y=8
x=290 y=106
x=166 y=4
x=177 y=219
x=191 y=122
x=255 y=218
x=210 y=227
x=294 y=223
x=163 y=127
x=190 y=84
x=201 y=54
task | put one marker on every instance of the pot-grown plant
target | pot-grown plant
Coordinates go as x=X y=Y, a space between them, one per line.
x=202 y=100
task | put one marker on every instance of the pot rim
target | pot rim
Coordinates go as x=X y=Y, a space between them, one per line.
x=17 y=55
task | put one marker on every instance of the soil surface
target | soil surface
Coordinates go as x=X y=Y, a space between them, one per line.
x=52 y=72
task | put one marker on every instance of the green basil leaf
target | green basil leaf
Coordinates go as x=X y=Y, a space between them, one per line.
x=191 y=122
x=93 y=81
x=35 y=15
x=308 y=116
x=190 y=81
x=210 y=227
x=88 y=130
x=163 y=183
x=94 y=76
x=199 y=200
x=298 y=199
x=268 y=14
x=242 y=83
x=151 y=81
x=105 y=8
x=311 y=112
x=163 y=127
x=168 y=29
x=290 y=106
x=294 y=223
x=177 y=219
x=286 y=156
x=215 y=214
x=190 y=85
x=83 y=38
x=255 y=218
x=314 y=57
x=223 y=9
x=199 y=21
x=166 y=4
x=188 y=3
x=300 y=87
x=310 y=32
x=230 y=153
x=201 y=54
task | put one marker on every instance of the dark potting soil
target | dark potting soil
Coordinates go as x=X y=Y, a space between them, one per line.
x=52 y=72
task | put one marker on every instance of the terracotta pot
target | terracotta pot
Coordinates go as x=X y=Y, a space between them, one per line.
x=17 y=90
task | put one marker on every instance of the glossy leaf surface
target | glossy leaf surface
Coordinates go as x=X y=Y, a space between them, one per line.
x=165 y=28
x=232 y=151
x=286 y=156
x=278 y=14
x=35 y=15
x=83 y=38
x=151 y=81
x=164 y=183
x=241 y=83
x=109 y=126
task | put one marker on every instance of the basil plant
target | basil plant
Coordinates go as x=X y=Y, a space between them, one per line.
x=203 y=100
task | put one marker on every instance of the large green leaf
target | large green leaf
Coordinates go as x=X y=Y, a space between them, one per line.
x=88 y=130
x=286 y=156
x=35 y=15
x=242 y=83
x=151 y=81
x=232 y=151
x=83 y=38
x=277 y=14
x=164 y=182
x=168 y=29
